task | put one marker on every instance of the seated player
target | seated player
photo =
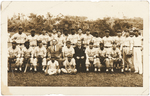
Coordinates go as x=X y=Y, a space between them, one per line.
x=102 y=54
x=40 y=56
x=27 y=55
x=91 y=60
x=14 y=56
x=70 y=65
x=68 y=49
x=116 y=57
x=52 y=67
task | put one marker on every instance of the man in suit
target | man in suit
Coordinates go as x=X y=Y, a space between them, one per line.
x=55 y=50
x=80 y=57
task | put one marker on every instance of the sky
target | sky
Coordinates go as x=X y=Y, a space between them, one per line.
x=92 y=10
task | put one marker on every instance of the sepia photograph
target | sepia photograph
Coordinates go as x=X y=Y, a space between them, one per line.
x=75 y=44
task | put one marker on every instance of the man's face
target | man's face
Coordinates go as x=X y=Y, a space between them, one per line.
x=79 y=31
x=27 y=45
x=20 y=30
x=32 y=33
x=49 y=34
x=87 y=32
x=114 y=46
x=69 y=59
x=53 y=59
x=40 y=44
x=54 y=31
x=127 y=34
x=59 y=34
x=91 y=46
x=79 y=43
x=68 y=45
x=43 y=32
x=107 y=34
x=73 y=32
x=14 y=45
x=96 y=35
x=101 y=46
x=136 y=34
x=119 y=34
x=54 y=42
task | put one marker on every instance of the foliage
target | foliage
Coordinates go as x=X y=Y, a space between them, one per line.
x=38 y=22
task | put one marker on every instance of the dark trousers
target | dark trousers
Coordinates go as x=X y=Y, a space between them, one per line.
x=80 y=65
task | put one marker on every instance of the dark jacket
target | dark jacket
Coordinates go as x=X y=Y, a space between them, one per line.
x=79 y=52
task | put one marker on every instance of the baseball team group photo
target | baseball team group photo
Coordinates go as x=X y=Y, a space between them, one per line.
x=72 y=50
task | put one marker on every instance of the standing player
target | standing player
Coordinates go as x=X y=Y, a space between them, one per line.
x=33 y=39
x=14 y=56
x=70 y=65
x=91 y=60
x=107 y=40
x=54 y=34
x=80 y=36
x=40 y=55
x=87 y=38
x=127 y=51
x=73 y=37
x=60 y=39
x=19 y=38
x=116 y=57
x=137 y=41
x=52 y=67
x=97 y=40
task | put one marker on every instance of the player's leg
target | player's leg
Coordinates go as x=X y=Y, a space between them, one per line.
x=78 y=62
x=63 y=70
x=35 y=64
x=107 y=64
x=44 y=64
x=135 y=60
x=111 y=62
x=139 y=60
x=87 y=64
x=120 y=61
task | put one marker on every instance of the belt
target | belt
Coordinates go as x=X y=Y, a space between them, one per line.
x=33 y=45
x=96 y=47
x=20 y=43
x=44 y=44
x=126 y=46
x=136 y=46
x=107 y=46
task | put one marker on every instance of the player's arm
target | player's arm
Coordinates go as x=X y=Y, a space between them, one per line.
x=47 y=67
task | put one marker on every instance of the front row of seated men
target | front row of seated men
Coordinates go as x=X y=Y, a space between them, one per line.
x=57 y=59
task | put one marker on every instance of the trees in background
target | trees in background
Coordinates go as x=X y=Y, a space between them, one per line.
x=38 y=22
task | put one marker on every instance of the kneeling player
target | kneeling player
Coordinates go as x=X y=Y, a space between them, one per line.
x=116 y=57
x=40 y=56
x=14 y=56
x=70 y=65
x=91 y=60
x=27 y=56
x=52 y=67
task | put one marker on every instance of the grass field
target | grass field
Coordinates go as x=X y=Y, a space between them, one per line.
x=80 y=79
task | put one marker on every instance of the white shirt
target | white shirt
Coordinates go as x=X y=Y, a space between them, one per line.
x=54 y=36
x=19 y=38
x=33 y=40
x=90 y=52
x=68 y=51
x=87 y=38
x=40 y=51
x=60 y=40
x=107 y=41
x=69 y=64
x=44 y=38
x=97 y=40
x=53 y=65
x=73 y=38
x=27 y=52
x=14 y=52
x=137 y=41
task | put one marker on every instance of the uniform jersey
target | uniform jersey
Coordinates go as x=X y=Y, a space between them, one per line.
x=119 y=41
x=14 y=52
x=87 y=38
x=97 y=41
x=116 y=53
x=27 y=52
x=73 y=38
x=54 y=36
x=33 y=40
x=44 y=38
x=68 y=51
x=53 y=65
x=40 y=51
x=60 y=40
x=90 y=52
x=102 y=52
x=137 y=41
x=107 y=41
x=70 y=64
x=80 y=37
x=19 y=38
